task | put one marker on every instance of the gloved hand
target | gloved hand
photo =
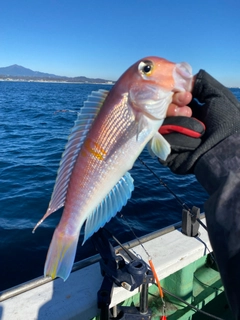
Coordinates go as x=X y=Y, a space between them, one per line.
x=214 y=107
x=183 y=133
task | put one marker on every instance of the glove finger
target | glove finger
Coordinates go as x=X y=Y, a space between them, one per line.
x=180 y=142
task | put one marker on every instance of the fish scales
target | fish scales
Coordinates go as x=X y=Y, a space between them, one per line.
x=112 y=129
x=90 y=170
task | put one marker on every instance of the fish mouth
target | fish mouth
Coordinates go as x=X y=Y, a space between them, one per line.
x=182 y=74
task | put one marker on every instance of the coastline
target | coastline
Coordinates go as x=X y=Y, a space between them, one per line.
x=55 y=81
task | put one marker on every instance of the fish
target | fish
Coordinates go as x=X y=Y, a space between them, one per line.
x=112 y=128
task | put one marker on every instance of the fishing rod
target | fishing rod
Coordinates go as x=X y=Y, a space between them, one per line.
x=183 y=204
x=157 y=282
x=121 y=270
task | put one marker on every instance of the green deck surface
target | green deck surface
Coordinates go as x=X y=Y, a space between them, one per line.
x=199 y=284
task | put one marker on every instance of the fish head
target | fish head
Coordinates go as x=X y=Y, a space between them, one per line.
x=152 y=82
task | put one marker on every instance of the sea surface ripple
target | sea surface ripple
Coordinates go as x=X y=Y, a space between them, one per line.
x=35 y=125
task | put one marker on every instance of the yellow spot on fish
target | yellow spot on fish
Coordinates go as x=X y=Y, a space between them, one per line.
x=95 y=149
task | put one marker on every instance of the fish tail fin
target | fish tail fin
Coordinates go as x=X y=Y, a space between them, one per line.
x=61 y=254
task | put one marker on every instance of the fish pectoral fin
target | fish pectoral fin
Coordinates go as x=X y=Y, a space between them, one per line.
x=159 y=146
x=141 y=124
x=110 y=205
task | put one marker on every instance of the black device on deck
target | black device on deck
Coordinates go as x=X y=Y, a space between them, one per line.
x=129 y=272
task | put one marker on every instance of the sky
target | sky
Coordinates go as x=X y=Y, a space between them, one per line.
x=102 y=38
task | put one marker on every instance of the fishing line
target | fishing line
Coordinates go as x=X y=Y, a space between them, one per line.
x=206 y=285
x=128 y=252
x=183 y=204
x=191 y=306
x=157 y=281
x=150 y=264
x=138 y=239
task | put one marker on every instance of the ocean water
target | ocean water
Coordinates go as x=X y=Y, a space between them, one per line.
x=34 y=126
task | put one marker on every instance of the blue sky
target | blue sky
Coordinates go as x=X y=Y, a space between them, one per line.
x=102 y=38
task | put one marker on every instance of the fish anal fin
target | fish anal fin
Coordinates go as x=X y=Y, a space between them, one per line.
x=110 y=205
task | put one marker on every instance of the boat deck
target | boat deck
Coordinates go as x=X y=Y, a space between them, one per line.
x=77 y=297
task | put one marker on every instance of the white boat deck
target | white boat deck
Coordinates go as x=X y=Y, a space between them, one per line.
x=77 y=297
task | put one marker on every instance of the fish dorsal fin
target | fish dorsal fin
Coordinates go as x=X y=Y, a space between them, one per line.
x=110 y=205
x=76 y=138
x=159 y=146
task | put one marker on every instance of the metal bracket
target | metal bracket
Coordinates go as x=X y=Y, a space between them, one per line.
x=129 y=275
x=190 y=224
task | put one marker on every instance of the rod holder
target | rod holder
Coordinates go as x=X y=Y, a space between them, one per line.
x=190 y=224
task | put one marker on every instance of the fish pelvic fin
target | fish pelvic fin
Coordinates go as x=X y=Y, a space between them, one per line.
x=159 y=146
x=61 y=255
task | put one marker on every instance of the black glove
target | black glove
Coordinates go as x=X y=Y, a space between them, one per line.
x=217 y=108
x=182 y=133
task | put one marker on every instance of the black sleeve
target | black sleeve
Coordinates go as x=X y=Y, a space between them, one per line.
x=218 y=171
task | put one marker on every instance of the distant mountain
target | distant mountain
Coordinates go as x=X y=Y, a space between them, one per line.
x=17 y=72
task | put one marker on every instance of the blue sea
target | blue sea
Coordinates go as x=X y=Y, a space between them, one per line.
x=34 y=127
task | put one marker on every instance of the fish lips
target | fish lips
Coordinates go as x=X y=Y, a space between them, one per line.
x=182 y=74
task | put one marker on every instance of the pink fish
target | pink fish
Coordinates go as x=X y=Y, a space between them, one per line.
x=112 y=129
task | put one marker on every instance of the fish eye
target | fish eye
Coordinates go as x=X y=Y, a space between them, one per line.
x=145 y=67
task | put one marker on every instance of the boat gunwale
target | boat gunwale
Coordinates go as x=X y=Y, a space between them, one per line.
x=34 y=283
